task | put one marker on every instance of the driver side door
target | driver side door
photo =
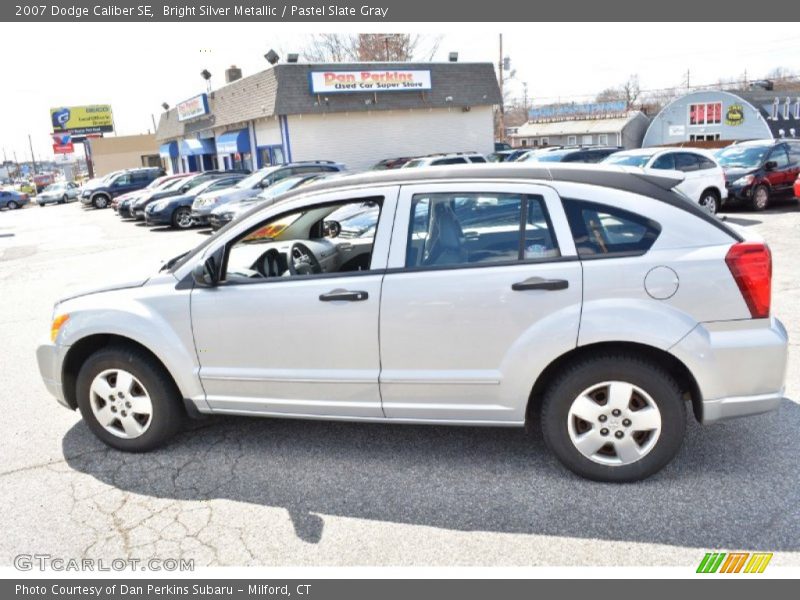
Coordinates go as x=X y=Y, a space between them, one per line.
x=295 y=344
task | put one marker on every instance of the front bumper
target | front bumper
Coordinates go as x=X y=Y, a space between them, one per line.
x=50 y=359
x=124 y=211
x=200 y=218
x=741 y=193
x=158 y=217
x=739 y=366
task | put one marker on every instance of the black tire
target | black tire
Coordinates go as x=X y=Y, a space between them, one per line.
x=710 y=201
x=12 y=205
x=760 y=198
x=100 y=201
x=578 y=377
x=63 y=199
x=178 y=218
x=168 y=413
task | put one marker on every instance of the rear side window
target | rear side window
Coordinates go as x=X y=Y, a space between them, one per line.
x=603 y=231
x=686 y=162
x=449 y=161
x=706 y=163
x=460 y=229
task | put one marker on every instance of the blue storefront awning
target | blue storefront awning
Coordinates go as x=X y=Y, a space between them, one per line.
x=169 y=150
x=232 y=142
x=195 y=147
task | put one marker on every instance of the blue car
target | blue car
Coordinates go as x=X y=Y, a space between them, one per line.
x=176 y=211
x=12 y=199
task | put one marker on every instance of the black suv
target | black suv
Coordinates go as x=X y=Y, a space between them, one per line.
x=100 y=194
x=759 y=171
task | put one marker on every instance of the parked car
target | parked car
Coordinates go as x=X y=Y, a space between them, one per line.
x=498 y=146
x=436 y=160
x=507 y=155
x=184 y=186
x=176 y=211
x=570 y=155
x=760 y=171
x=252 y=185
x=99 y=195
x=158 y=183
x=12 y=199
x=704 y=178
x=589 y=300
x=125 y=206
x=58 y=193
x=225 y=213
x=797 y=188
x=390 y=163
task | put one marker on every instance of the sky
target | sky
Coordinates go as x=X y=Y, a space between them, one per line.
x=136 y=67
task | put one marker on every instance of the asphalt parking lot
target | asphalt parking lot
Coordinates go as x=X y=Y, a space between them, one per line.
x=234 y=491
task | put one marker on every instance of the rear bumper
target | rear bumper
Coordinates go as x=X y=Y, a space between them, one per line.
x=739 y=366
x=50 y=358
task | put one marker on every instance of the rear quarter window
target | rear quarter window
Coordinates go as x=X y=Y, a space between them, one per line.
x=602 y=231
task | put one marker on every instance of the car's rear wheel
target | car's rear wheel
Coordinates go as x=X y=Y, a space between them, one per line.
x=614 y=418
x=12 y=205
x=710 y=201
x=100 y=201
x=760 y=199
x=182 y=218
x=128 y=400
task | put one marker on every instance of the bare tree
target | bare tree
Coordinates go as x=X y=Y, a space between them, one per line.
x=629 y=92
x=371 y=47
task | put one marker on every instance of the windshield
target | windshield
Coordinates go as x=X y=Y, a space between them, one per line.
x=253 y=180
x=554 y=156
x=628 y=160
x=748 y=157
x=54 y=187
x=284 y=185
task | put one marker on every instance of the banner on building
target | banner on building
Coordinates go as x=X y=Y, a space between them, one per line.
x=193 y=107
x=331 y=82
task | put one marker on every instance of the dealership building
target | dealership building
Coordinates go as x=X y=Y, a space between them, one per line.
x=726 y=116
x=352 y=113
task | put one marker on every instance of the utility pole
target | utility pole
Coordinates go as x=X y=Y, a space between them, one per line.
x=153 y=117
x=502 y=98
x=33 y=158
x=688 y=80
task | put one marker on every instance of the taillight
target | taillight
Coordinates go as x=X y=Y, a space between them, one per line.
x=751 y=266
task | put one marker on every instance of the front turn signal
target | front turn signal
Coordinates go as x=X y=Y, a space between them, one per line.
x=58 y=322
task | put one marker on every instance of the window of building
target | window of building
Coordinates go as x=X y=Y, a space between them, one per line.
x=786 y=108
x=602 y=231
x=602 y=139
x=703 y=137
x=586 y=140
x=775 y=104
x=478 y=228
x=572 y=140
x=709 y=113
x=797 y=109
x=544 y=141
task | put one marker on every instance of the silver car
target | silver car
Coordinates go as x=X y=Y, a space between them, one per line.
x=592 y=301
x=58 y=193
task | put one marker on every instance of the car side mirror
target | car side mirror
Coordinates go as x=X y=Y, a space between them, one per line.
x=205 y=273
x=770 y=165
x=331 y=229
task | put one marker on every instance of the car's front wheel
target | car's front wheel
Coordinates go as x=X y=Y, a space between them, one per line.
x=760 y=199
x=100 y=201
x=128 y=400
x=182 y=218
x=614 y=418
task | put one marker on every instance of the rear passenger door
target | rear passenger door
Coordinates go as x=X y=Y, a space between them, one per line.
x=482 y=290
x=694 y=178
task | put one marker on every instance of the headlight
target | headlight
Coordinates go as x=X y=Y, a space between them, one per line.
x=746 y=180
x=156 y=206
x=58 y=322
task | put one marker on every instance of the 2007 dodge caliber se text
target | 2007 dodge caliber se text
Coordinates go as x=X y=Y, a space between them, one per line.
x=595 y=301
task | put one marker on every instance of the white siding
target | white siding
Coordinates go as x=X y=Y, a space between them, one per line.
x=359 y=140
x=268 y=132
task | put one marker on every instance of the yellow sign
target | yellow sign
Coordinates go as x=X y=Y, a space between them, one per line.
x=734 y=115
x=80 y=120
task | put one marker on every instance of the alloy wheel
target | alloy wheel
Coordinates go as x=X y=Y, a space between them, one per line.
x=120 y=403
x=614 y=423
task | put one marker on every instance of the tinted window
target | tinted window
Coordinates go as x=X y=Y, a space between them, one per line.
x=602 y=231
x=794 y=153
x=477 y=159
x=686 y=162
x=478 y=228
x=706 y=163
x=122 y=180
x=459 y=160
x=665 y=161
x=779 y=156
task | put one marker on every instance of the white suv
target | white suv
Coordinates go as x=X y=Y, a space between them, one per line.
x=592 y=301
x=440 y=160
x=703 y=177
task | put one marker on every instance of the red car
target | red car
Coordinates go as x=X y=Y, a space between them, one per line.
x=797 y=187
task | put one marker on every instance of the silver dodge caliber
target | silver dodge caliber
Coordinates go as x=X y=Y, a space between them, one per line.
x=594 y=301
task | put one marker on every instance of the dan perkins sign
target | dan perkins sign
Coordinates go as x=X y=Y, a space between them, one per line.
x=193 y=107
x=330 y=82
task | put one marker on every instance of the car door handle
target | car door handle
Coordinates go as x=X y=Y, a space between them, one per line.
x=538 y=283
x=344 y=296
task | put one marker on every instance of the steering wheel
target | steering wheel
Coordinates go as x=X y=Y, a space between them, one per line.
x=302 y=261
